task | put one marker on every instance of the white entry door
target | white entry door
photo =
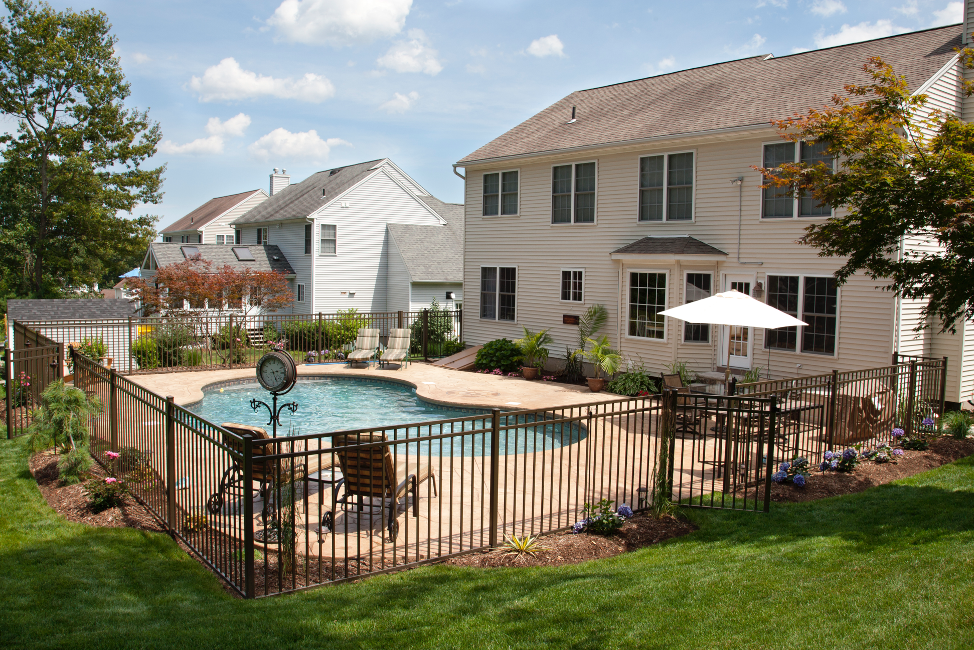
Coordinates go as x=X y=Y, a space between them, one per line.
x=737 y=341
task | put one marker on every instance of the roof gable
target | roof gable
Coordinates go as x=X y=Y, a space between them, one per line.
x=209 y=211
x=736 y=94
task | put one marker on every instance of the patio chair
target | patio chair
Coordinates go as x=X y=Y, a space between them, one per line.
x=397 y=351
x=366 y=346
x=372 y=473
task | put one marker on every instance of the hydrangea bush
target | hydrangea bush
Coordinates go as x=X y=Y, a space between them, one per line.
x=836 y=461
x=794 y=472
x=601 y=519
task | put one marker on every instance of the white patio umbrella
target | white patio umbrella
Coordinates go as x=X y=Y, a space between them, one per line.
x=735 y=309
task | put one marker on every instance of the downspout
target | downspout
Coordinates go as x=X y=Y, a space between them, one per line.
x=739 y=181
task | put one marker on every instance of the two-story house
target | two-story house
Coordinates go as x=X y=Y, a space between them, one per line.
x=644 y=195
x=210 y=223
x=364 y=236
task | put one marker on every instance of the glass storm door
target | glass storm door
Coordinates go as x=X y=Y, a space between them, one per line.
x=737 y=352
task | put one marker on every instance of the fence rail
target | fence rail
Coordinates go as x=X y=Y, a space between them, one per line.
x=185 y=341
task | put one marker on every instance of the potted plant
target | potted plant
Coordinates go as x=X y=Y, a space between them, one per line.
x=603 y=359
x=534 y=351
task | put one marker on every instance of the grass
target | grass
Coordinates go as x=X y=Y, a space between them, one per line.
x=892 y=567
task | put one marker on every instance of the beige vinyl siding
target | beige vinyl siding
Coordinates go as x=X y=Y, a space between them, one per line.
x=221 y=225
x=540 y=250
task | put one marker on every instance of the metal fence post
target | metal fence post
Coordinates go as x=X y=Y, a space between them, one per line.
x=171 y=463
x=495 y=461
x=8 y=380
x=769 y=463
x=833 y=407
x=113 y=408
x=943 y=387
x=248 y=479
x=911 y=398
x=230 y=337
x=426 y=328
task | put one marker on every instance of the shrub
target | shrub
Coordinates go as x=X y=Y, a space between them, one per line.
x=794 y=472
x=834 y=461
x=631 y=383
x=958 y=424
x=105 y=493
x=499 y=354
x=145 y=352
x=601 y=519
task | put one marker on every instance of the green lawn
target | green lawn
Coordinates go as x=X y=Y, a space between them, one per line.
x=889 y=568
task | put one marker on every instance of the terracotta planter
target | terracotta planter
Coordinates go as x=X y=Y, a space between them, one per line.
x=595 y=384
x=529 y=372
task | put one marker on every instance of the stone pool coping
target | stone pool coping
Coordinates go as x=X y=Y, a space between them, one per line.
x=450 y=388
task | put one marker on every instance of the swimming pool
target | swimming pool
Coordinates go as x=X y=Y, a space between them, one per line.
x=328 y=404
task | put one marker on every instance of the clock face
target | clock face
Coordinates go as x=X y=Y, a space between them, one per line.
x=272 y=373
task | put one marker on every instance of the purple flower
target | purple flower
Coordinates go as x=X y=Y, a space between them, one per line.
x=799 y=480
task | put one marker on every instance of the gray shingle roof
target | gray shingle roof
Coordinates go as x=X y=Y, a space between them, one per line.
x=681 y=245
x=53 y=309
x=208 y=212
x=433 y=253
x=747 y=92
x=267 y=257
x=301 y=199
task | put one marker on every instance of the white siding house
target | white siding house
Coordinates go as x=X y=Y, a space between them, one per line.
x=644 y=195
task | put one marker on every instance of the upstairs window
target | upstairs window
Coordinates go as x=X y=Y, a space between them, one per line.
x=573 y=193
x=571 y=285
x=329 y=239
x=500 y=194
x=498 y=293
x=666 y=187
x=776 y=202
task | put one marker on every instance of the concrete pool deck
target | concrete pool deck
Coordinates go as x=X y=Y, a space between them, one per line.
x=438 y=385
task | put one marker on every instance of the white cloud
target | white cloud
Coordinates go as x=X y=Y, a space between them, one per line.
x=233 y=127
x=547 y=46
x=200 y=146
x=828 y=7
x=227 y=81
x=952 y=13
x=400 y=103
x=140 y=58
x=281 y=143
x=751 y=47
x=413 y=55
x=862 y=32
x=339 y=22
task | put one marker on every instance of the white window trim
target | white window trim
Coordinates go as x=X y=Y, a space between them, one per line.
x=666 y=304
x=801 y=305
x=796 y=201
x=500 y=195
x=320 y=254
x=302 y=293
x=666 y=188
x=683 y=330
x=497 y=306
x=571 y=268
x=551 y=196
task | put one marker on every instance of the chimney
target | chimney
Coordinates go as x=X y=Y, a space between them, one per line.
x=279 y=181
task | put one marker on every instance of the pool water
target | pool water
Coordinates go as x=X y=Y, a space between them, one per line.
x=336 y=404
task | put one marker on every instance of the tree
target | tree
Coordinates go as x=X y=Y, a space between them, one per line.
x=74 y=165
x=903 y=171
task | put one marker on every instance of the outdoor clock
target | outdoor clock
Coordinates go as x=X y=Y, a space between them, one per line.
x=276 y=372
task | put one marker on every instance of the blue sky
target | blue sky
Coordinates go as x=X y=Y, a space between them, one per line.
x=245 y=86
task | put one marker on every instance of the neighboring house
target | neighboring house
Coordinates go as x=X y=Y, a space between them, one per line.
x=643 y=196
x=210 y=223
x=365 y=236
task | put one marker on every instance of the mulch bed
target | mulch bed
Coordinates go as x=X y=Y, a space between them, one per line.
x=71 y=502
x=869 y=474
x=566 y=547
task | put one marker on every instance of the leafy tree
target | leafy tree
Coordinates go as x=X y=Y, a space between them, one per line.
x=902 y=171
x=73 y=168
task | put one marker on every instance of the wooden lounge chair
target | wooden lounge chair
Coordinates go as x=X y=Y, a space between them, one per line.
x=371 y=472
x=398 y=349
x=365 y=346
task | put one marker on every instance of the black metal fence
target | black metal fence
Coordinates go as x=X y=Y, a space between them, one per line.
x=185 y=340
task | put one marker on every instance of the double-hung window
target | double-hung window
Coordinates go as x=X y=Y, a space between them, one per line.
x=498 y=293
x=666 y=187
x=698 y=287
x=571 y=285
x=776 y=202
x=813 y=299
x=647 y=298
x=261 y=236
x=329 y=239
x=500 y=193
x=573 y=193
